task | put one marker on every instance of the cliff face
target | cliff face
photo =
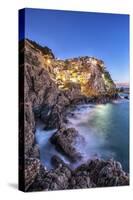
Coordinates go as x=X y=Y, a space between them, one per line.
x=37 y=83
x=50 y=85
x=88 y=74
x=41 y=97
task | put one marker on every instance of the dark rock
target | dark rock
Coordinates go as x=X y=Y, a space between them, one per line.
x=79 y=180
x=32 y=167
x=56 y=179
x=37 y=83
x=112 y=175
x=56 y=119
x=45 y=113
x=28 y=127
x=57 y=162
x=65 y=140
x=37 y=111
x=126 y=97
x=39 y=183
x=34 y=153
x=93 y=173
x=45 y=100
x=104 y=173
x=57 y=115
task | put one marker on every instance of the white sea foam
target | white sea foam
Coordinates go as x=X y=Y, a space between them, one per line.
x=94 y=141
x=100 y=125
x=80 y=115
x=47 y=150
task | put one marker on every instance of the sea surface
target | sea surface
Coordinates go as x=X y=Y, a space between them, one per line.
x=105 y=128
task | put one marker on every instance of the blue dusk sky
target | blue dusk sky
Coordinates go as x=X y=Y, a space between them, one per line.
x=72 y=34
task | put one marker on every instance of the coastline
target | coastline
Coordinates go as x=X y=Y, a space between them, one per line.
x=59 y=162
x=44 y=101
x=79 y=117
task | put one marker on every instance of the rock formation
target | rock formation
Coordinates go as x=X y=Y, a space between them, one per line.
x=65 y=139
x=47 y=87
x=94 y=173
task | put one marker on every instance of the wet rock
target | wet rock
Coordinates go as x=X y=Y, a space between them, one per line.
x=126 y=97
x=65 y=140
x=45 y=112
x=56 y=118
x=57 y=115
x=57 y=161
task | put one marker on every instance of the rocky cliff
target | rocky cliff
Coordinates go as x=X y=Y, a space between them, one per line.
x=87 y=74
x=47 y=87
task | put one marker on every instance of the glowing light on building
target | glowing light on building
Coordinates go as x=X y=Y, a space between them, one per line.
x=58 y=76
x=76 y=67
x=74 y=80
x=48 y=61
x=94 y=62
x=64 y=75
x=63 y=78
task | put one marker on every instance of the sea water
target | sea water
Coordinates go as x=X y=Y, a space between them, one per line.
x=105 y=128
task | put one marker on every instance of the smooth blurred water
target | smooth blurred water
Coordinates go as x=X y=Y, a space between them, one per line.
x=105 y=128
x=47 y=149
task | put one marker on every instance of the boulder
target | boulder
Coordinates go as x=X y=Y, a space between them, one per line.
x=56 y=118
x=126 y=97
x=65 y=139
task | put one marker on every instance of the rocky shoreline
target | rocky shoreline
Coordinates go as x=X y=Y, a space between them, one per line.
x=44 y=101
x=94 y=173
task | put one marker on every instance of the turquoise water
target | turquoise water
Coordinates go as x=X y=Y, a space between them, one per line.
x=105 y=129
x=47 y=149
x=113 y=123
